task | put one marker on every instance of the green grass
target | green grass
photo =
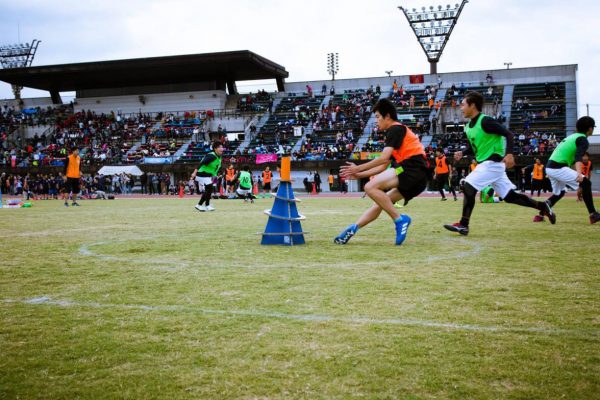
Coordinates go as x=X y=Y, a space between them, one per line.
x=151 y=299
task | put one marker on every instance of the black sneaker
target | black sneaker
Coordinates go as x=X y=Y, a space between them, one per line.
x=75 y=204
x=66 y=204
x=444 y=199
x=457 y=227
x=595 y=217
x=549 y=213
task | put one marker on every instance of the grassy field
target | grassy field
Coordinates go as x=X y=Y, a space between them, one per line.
x=151 y=299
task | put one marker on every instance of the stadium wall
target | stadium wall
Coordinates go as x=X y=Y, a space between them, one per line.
x=558 y=73
x=153 y=103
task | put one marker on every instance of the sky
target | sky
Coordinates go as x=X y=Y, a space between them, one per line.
x=370 y=37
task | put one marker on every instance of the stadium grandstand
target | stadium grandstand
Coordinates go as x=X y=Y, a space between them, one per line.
x=162 y=113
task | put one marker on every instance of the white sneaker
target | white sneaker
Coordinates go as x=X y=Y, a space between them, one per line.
x=200 y=208
x=210 y=208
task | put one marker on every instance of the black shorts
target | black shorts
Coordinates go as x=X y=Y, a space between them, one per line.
x=72 y=185
x=412 y=181
x=441 y=180
x=267 y=186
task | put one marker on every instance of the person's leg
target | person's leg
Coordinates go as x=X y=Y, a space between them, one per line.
x=367 y=217
x=208 y=190
x=439 y=182
x=505 y=190
x=588 y=199
x=375 y=210
x=376 y=190
x=452 y=190
x=469 y=195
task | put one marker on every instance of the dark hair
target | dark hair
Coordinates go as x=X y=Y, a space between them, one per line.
x=386 y=107
x=74 y=148
x=586 y=154
x=584 y=124
x=216 y=144
x=246 y=168
x=472 y=97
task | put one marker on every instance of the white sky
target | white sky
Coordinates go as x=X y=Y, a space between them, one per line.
x=370 y=36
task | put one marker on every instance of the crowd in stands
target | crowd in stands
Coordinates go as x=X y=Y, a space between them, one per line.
x=261 y=101
x=101 y=138
x=52 y=186
x=333 y=128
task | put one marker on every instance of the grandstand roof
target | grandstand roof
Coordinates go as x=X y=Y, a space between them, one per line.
x=225 y=66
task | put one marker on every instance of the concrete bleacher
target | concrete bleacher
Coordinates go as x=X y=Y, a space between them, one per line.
x=355 y=110
x=541 y=98
x=292 y=111
x=197 y=150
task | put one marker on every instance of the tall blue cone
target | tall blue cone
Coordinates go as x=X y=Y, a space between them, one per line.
x=284 y=226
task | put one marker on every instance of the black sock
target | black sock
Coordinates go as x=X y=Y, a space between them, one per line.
x=586 y=185
x=552 y=200
x=522 y=200
x=555 y=198
x=468 y=204
x=208 y=189
x=442 y=193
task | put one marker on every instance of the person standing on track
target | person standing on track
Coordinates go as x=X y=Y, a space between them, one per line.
x=73 y=175
x=267 y=177
x=442 y=174
x=209 y=168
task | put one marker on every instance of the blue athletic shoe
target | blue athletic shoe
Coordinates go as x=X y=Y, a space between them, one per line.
x=402 y=224
x=343 y=237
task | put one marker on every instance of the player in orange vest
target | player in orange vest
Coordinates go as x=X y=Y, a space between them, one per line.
x=586 y=165
x=442 y=174
x=230 y=178
x=586 y=171
x=537 y=177
x=267 y=177
x=406 y=178
x=473 y=165
x=73 y=174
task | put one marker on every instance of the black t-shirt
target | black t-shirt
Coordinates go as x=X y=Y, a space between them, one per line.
x=394 y=136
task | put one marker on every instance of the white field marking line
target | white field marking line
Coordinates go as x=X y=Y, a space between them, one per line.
x=587 y=333
x=60 y=231
x=475 y=249
x=84 y=250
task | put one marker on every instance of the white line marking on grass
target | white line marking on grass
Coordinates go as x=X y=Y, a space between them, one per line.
x=587 y=333
x=475 y=249
x=84 y=250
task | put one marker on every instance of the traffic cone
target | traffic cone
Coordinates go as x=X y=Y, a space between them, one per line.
x=314 y=191
x=180 y=191
x=221 y=193
x=255 y=189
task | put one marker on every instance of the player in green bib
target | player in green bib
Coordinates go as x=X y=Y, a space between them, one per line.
x=245 y=183
x=558 y=168
x=486 y=140
x=204 y=174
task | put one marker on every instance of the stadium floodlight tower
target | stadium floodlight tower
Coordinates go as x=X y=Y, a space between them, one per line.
x=18 y=56
x=433 y=28
x=333 y=65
